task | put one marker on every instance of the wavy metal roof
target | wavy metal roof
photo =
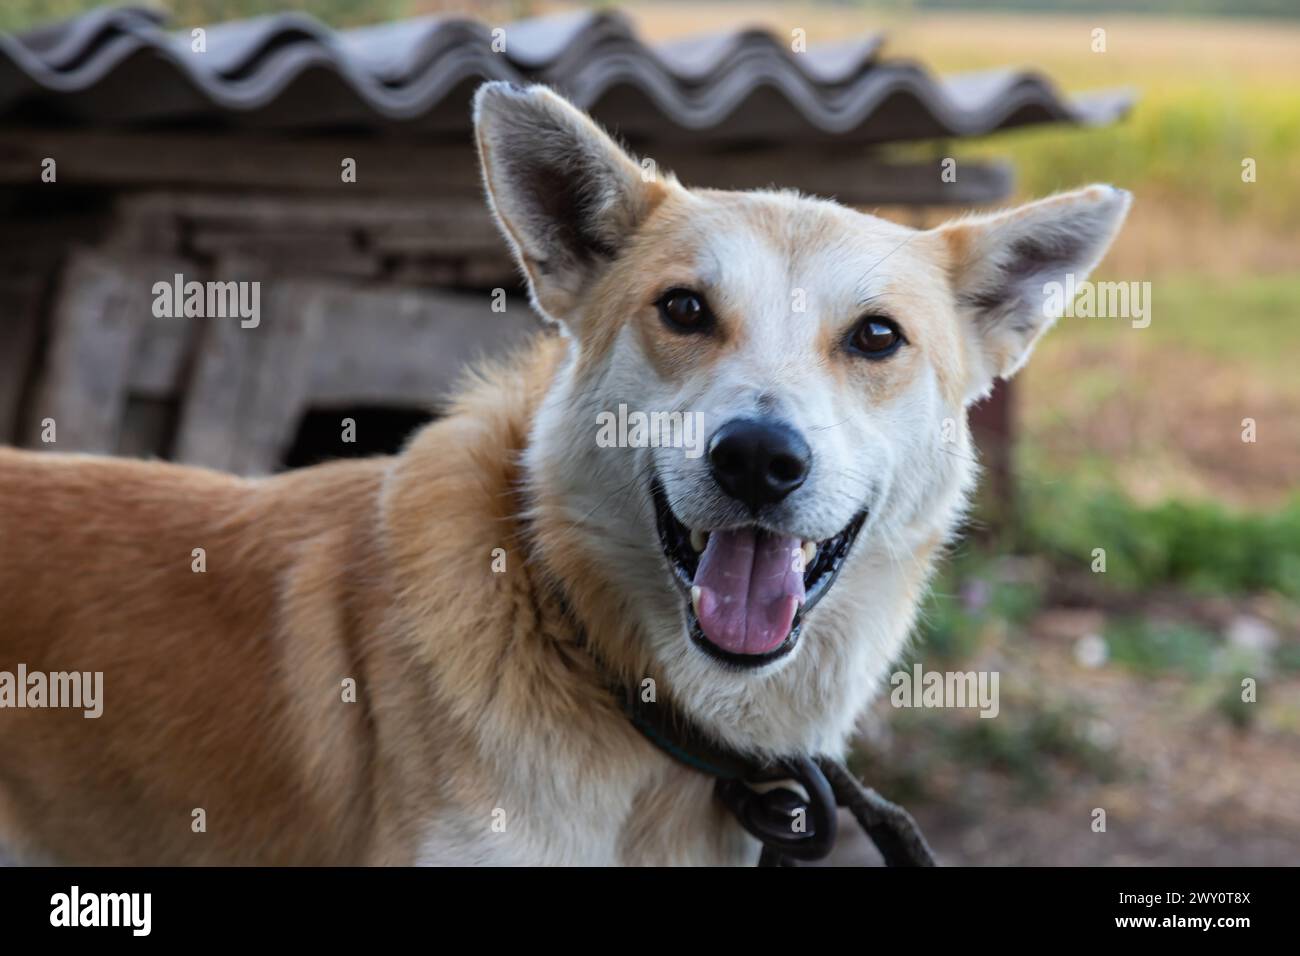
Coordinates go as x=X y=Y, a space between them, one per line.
x=119 y=66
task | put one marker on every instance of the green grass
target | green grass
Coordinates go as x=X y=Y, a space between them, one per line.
x=1023 y=745
x=1287 y=659
x=1250 y=319
x=1174 y=548
x=970 y=596
x=1237 y=712
x=1034 y=742
x=1254 y=318
x=1153 y=648
x=1195 y=545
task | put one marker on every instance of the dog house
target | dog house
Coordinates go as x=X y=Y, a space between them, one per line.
x=334 y=172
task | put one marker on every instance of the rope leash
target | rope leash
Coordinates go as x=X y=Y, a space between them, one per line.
x=793 y=829
x=891 y=828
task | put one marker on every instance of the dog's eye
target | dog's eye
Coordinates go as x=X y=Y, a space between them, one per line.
x=875 y=337
x=685 y=310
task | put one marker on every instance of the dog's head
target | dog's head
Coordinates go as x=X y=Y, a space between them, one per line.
x=760 y=431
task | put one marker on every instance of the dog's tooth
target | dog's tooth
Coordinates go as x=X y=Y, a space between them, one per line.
x=809 y=552
x=699 y=539
x=695 y=600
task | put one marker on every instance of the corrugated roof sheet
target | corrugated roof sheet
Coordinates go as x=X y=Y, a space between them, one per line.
x=290 y=72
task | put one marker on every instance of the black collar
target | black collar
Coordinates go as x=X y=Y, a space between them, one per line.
x=791 y=826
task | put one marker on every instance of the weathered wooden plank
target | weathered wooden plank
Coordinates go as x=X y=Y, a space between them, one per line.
x=282 y=210
x=408 y=347
x=210 y=411
x=333 y=253
x=993 y=428
x=338 y=232
x=489 y=273
x=415 y=169
x=153 y=160
x=159 y=356
x=101 y=306
x=363 y=340
x=276 y=390
x=466 y=230
x=478 y=272
x=850 y=177
x=228 y=406
x=145 y=223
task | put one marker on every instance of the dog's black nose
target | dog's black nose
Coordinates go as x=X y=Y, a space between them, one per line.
x=758 y=462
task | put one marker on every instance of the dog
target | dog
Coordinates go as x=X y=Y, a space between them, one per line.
x=408 y=660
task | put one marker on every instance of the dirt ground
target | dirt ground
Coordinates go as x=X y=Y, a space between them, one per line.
x=1180 y=783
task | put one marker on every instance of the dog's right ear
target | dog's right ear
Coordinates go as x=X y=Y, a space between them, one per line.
x=566 y=195
x=1001 y=266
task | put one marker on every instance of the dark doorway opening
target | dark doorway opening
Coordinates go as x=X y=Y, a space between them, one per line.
x=376 y=430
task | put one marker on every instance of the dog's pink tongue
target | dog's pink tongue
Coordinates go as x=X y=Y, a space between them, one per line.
x=750 y=587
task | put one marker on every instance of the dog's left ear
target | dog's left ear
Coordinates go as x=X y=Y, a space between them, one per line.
x=1001 y=267
x=565 y=194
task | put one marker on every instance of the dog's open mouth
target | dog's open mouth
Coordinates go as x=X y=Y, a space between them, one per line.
x=749 y=589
